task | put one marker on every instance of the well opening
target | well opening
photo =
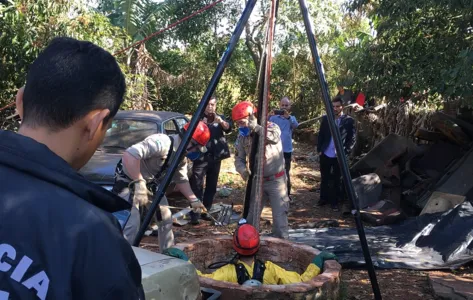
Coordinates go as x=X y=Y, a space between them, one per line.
x=291 y=256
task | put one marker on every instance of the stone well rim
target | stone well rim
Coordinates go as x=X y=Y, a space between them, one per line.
x=331 y=271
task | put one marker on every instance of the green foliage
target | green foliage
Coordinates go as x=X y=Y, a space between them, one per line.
x=421 y=47
x=27 y=26
x=189 y=53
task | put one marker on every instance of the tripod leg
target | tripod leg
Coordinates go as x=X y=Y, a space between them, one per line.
x=339 y=147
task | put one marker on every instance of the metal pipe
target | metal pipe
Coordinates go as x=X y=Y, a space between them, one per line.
x=339 y=147
x=255 y=140
x=250 y=4
x=263 y=102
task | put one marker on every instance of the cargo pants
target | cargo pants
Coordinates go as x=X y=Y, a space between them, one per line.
x=165 y=234
x=275 y=190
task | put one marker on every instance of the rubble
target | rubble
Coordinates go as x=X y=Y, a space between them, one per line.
x=408 y=174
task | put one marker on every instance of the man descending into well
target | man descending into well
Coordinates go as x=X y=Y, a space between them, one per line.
x=247 y=269
x=274 y=181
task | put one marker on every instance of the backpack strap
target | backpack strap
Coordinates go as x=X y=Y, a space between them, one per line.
x=166 y=162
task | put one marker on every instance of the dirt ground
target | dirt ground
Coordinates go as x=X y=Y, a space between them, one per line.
x=394 y=284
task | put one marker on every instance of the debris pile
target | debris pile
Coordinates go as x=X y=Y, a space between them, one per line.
x=400 y=178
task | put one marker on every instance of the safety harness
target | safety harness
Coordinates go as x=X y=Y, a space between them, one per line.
x=243 y=275
x=241 y=272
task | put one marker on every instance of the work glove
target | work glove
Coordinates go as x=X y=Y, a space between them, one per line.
x=253 y=124
x=320 y=258
x=177 y=253
x=197 y=206
x=141 y=193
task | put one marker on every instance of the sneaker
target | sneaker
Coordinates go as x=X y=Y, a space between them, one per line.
x=335 y=208
x=321 y=203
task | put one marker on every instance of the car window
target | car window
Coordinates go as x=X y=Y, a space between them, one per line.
x=125 y=133
x=181 y=122
x=170 y=127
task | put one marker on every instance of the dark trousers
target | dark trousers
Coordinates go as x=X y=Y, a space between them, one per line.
x=331 y=186
x=210 y=170
x=287 y=164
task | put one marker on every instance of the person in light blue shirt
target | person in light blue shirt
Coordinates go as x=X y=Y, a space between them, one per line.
x=287 y=123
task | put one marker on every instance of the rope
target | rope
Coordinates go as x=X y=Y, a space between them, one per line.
x=152 y=35
x=170 y=26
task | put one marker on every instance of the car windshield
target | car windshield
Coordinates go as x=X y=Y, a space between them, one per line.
x=125 y=133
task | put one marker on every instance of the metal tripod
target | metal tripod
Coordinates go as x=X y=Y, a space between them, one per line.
x=330 y=116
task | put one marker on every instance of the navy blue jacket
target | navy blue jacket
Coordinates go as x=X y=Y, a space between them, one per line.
x=58 y=239
x=217 y=146
x=347 y=132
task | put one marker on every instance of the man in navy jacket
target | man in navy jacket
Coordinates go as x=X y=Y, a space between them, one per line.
x=207 y=167
x=329 y=167
x=58 y=237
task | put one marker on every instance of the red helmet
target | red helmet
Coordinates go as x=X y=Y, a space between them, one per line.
x=246 y=240
x=201 y=133
x=242 y=110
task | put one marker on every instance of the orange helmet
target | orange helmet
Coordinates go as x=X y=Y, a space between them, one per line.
x=246 y=240
x=201 y=133
x=242 y=110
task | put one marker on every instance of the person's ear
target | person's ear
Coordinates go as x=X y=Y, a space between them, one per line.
x=19 y=102
x=96 y=122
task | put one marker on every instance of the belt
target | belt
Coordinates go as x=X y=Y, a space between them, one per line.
x=277 y=175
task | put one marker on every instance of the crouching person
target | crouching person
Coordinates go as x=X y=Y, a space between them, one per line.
x=247 y=269
x=142 y=167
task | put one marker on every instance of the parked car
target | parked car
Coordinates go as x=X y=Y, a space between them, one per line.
x=128 y=127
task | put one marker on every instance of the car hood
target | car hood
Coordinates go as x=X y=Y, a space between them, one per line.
x=101 y=167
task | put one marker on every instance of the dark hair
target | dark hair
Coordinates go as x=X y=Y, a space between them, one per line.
x=69 y=79
x=337 y=99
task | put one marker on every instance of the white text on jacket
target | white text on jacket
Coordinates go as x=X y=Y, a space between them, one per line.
x=39 y=281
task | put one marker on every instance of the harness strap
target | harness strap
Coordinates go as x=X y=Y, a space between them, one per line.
x=243 y=275
x=166 y=162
